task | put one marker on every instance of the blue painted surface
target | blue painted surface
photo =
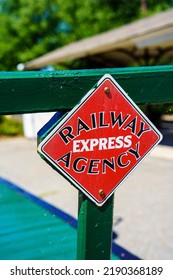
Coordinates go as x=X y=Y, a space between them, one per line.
x=41 y=134
x=30 y=229
x=34 y=229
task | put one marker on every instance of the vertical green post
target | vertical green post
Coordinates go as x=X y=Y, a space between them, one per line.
x=94 y=229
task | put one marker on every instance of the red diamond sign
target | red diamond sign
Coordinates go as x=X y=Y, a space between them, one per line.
x=101 y=141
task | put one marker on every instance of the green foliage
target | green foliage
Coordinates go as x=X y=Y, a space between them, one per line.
x=92 y=17
x=28 y=29
x=10 y=126
x=31 y=28
x=155 y=6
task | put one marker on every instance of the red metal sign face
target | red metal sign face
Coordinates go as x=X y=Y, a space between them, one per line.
x=98 y=144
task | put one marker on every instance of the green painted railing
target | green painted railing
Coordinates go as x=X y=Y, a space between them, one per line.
x=28 y=92
x=23 y=92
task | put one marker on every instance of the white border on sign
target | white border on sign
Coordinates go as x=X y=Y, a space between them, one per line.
x=71 y=113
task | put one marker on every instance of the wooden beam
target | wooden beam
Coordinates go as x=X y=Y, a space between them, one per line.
x=24 y=92
x=94 y=229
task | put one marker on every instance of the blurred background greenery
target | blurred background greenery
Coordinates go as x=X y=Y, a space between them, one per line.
x=10 y=126
x=32 y=28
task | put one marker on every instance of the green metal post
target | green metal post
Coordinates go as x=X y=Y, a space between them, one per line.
x=94 y=229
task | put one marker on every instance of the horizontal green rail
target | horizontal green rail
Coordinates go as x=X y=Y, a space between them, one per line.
x=24 y=92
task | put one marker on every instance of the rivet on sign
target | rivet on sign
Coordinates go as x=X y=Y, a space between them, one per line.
x=107 y=90
x=101 y=192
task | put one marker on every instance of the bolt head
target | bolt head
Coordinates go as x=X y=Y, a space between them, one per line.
x=101 y=192
x=106 y=90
